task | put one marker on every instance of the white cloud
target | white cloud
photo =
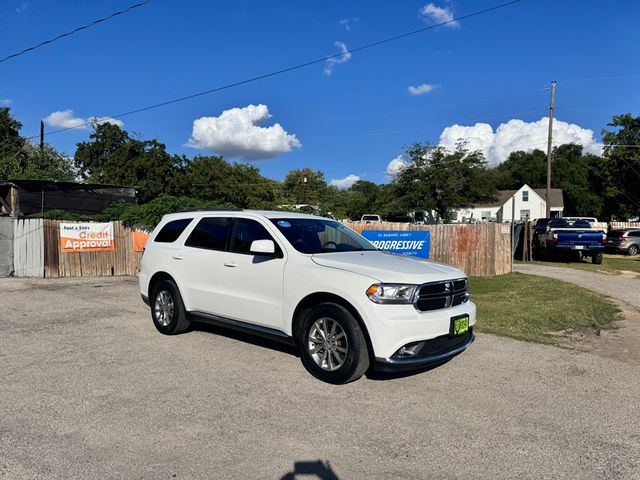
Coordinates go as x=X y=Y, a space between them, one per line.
x=517 y=135
x=66 y=119
x=23 y=6
x=332 y=62
x=395 y=165
x=5 y=102
x=101 y=120
x=422 y=89
x=344 y=183
x=236 y=133
x=432 y=14
x=347 y=22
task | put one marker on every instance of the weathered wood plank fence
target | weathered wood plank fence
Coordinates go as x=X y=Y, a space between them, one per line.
x=478 y=250
x=37 y=253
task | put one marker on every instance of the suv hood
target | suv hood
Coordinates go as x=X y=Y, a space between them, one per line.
x=387 y=267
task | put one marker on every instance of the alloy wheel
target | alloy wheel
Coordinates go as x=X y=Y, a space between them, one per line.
x=327 y=344
x=164 y=308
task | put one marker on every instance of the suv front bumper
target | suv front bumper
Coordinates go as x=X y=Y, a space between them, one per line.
x=434 y=351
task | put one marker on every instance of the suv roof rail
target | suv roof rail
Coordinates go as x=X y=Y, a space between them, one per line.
x=221 y=209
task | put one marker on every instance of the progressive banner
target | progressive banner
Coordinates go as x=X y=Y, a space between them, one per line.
x=414 y=243
x=86 y=237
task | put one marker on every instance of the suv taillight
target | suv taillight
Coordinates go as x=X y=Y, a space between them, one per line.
x=554 y=238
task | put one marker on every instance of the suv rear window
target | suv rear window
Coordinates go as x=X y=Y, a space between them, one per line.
x=210 y=233
x=172 y=230
x=615 y=234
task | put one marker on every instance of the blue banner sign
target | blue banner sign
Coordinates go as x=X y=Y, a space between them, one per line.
x=414 y=243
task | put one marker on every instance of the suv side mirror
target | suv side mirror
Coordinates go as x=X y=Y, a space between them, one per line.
x=263 y=247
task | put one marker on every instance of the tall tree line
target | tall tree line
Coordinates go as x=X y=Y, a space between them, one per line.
x=433 y=178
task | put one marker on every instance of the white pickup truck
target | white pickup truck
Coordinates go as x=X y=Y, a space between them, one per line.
x=308 y=281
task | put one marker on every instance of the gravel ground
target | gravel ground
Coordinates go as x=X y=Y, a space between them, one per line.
x=91 y=391
x=620 y=287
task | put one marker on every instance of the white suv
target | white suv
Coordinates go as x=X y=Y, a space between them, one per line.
x=309 y=281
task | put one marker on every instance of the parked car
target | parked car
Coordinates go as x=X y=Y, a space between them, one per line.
x=308 y=281
x=624 y=240
x=369 y=217
x=568 y=237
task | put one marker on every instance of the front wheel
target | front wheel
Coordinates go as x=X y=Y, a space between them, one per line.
x=632 y=250
x=333 y=347
x=167 y=309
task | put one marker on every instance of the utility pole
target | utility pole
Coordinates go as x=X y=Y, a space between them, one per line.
x=42 y=138
x=549 y=144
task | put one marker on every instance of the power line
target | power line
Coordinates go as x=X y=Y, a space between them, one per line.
x=296 y=67
x=594 y=79
x=75 y=30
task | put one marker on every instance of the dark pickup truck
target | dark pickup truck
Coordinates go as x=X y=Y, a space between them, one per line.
x=570 y=238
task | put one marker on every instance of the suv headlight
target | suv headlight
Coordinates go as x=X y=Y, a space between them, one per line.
x=391 y=293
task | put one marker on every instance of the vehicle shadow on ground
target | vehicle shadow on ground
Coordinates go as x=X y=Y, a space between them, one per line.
x=246 y=338
x=282 y=347
x=383 y=376
x=312 y=470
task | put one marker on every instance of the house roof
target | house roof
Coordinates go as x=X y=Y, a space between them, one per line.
x=503 y=196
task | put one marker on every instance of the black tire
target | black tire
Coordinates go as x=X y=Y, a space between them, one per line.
x=632 y=250
x=597 y=259
x=355 y=361
x=173 y=322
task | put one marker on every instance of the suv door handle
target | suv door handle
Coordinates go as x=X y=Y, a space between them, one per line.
x=230 y=264
x=177 y=256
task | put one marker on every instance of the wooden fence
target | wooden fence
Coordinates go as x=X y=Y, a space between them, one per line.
x=37 y=253
x=479 y=250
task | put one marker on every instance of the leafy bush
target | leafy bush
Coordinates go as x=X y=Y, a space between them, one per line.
x=150 y=214
x=60 y=215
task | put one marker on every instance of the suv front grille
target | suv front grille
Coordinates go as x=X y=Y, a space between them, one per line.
x=438 y=295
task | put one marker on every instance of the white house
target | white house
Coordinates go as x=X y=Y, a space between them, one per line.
x=529 y=203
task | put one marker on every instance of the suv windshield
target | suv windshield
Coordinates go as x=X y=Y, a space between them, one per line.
x=309 y=235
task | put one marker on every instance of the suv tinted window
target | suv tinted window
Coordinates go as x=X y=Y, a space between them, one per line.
x=635 y=233
x=245 y=232
x=210 y=233
x=172 y=230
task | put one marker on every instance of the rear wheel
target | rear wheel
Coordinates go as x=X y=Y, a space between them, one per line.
x=632 y=250
x=333 y=347
x=597 y=258
x=167 y=309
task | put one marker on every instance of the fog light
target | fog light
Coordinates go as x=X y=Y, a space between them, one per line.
x=409 y=350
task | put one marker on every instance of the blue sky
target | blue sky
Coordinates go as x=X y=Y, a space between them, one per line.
x=354 y=121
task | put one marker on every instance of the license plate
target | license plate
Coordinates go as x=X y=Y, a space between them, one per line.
x=459 y=325
x=578 y=247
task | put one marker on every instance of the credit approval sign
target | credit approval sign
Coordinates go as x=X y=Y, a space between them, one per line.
x=404 y=242
x=86 y=237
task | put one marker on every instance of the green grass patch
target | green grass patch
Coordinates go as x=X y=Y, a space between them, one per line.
x=529 y=307
x=611 y=264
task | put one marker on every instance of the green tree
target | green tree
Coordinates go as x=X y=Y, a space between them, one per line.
x=213 y=179
x=622 y=166
x=21 y=159
x=521 y=168
x=576 y=174
x=442 y=180
x=296 y=190
x=113 y=157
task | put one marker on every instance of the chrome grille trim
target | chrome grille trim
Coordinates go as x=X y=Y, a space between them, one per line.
x=440 y=295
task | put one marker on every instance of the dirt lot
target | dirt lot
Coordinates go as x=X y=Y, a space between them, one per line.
x=91 y=391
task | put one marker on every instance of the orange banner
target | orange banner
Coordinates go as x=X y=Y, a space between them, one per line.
x=139 y=240
x=86 y=237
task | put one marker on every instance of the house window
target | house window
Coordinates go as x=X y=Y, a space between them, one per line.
x=525 y=195
x=525 y=214
x=486 y=214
